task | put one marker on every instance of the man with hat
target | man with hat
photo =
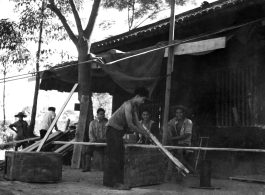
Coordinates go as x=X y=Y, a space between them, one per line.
x=180 y=129
x=21 y=130
x=47 y=121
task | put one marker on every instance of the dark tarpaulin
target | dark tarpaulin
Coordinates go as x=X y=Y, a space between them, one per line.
x=135 y=72
x=142 y=70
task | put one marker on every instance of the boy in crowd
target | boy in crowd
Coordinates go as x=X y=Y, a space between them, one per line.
x=97 y=134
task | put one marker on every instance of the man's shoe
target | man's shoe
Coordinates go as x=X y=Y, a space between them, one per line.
x=120 y=186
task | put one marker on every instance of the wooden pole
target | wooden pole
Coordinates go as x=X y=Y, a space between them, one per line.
x=56 y=118
x=170 y=63
x=20 y=141
x=167 y=147
x=36 y=144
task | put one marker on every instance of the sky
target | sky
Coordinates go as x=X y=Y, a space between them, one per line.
x=20 y=93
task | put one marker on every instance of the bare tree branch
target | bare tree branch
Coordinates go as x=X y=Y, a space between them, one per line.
x=54 y=8
x=129 y=17
x=77 y=18
x=133 y=12
x=92 y=19
x=154 y=12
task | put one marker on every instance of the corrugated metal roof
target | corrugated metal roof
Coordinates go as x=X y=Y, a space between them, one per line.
x=181 y=20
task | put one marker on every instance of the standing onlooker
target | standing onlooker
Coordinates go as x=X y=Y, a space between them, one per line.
x=21 y=130
x=47 y=121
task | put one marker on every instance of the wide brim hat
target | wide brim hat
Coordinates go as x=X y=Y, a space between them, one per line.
x=186 y=109
x=20 y=114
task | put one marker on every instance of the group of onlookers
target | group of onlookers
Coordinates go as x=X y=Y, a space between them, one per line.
x=113 y=130
x=22 y=130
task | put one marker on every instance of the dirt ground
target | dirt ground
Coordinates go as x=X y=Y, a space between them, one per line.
x=75 y=182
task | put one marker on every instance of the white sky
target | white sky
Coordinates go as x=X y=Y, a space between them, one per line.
x=20 y=93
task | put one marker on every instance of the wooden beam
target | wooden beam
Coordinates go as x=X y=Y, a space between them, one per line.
x=79 y=137
x=56 y=118
x=20 y=141
x=198 y=46
x=35 y=145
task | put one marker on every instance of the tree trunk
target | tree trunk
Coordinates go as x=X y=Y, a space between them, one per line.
x=4 y=97
x=34 y=107
x=84 y=92
x=84 y=76
x=37 y=84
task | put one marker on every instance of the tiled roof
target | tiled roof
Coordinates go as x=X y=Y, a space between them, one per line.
x=180 y=20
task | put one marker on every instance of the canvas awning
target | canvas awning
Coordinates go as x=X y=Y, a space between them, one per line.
x=142 y=70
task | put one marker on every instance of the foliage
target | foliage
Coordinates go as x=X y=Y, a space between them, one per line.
x=106 y=24
x=12 y=51
x=11 y=45
x=27 y=110
x=6 y=135
x=30 y=19
x=140 y=10
x=102 y=100
x=10 y=37
x=70 y=114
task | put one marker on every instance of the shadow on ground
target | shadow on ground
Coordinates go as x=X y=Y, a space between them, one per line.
x=75 y=182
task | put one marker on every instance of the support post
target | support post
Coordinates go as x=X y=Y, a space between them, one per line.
x=56 y=118
x=170 y=63
x=76 y=158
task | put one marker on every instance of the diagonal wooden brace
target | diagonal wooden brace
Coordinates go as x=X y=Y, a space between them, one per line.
x=56 y=118
x=179 y=165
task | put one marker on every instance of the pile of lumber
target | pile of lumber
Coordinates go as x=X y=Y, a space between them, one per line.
x=52 y=137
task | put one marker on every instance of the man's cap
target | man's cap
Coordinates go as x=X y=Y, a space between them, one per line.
x=20 y=114
x=174 y=108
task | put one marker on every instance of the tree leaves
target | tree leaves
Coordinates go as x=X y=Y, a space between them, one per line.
x=10 y=36
x=106 y=24
x=139 y=11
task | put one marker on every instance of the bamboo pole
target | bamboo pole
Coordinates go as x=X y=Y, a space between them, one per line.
x=167 y=147
x=222 y=97
x=230 y=97
x=226 y=99
x=56 y=118
x=80 y=143
x=65 y=146
x=20 y=141
x=217 y=99
x=179 y=165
